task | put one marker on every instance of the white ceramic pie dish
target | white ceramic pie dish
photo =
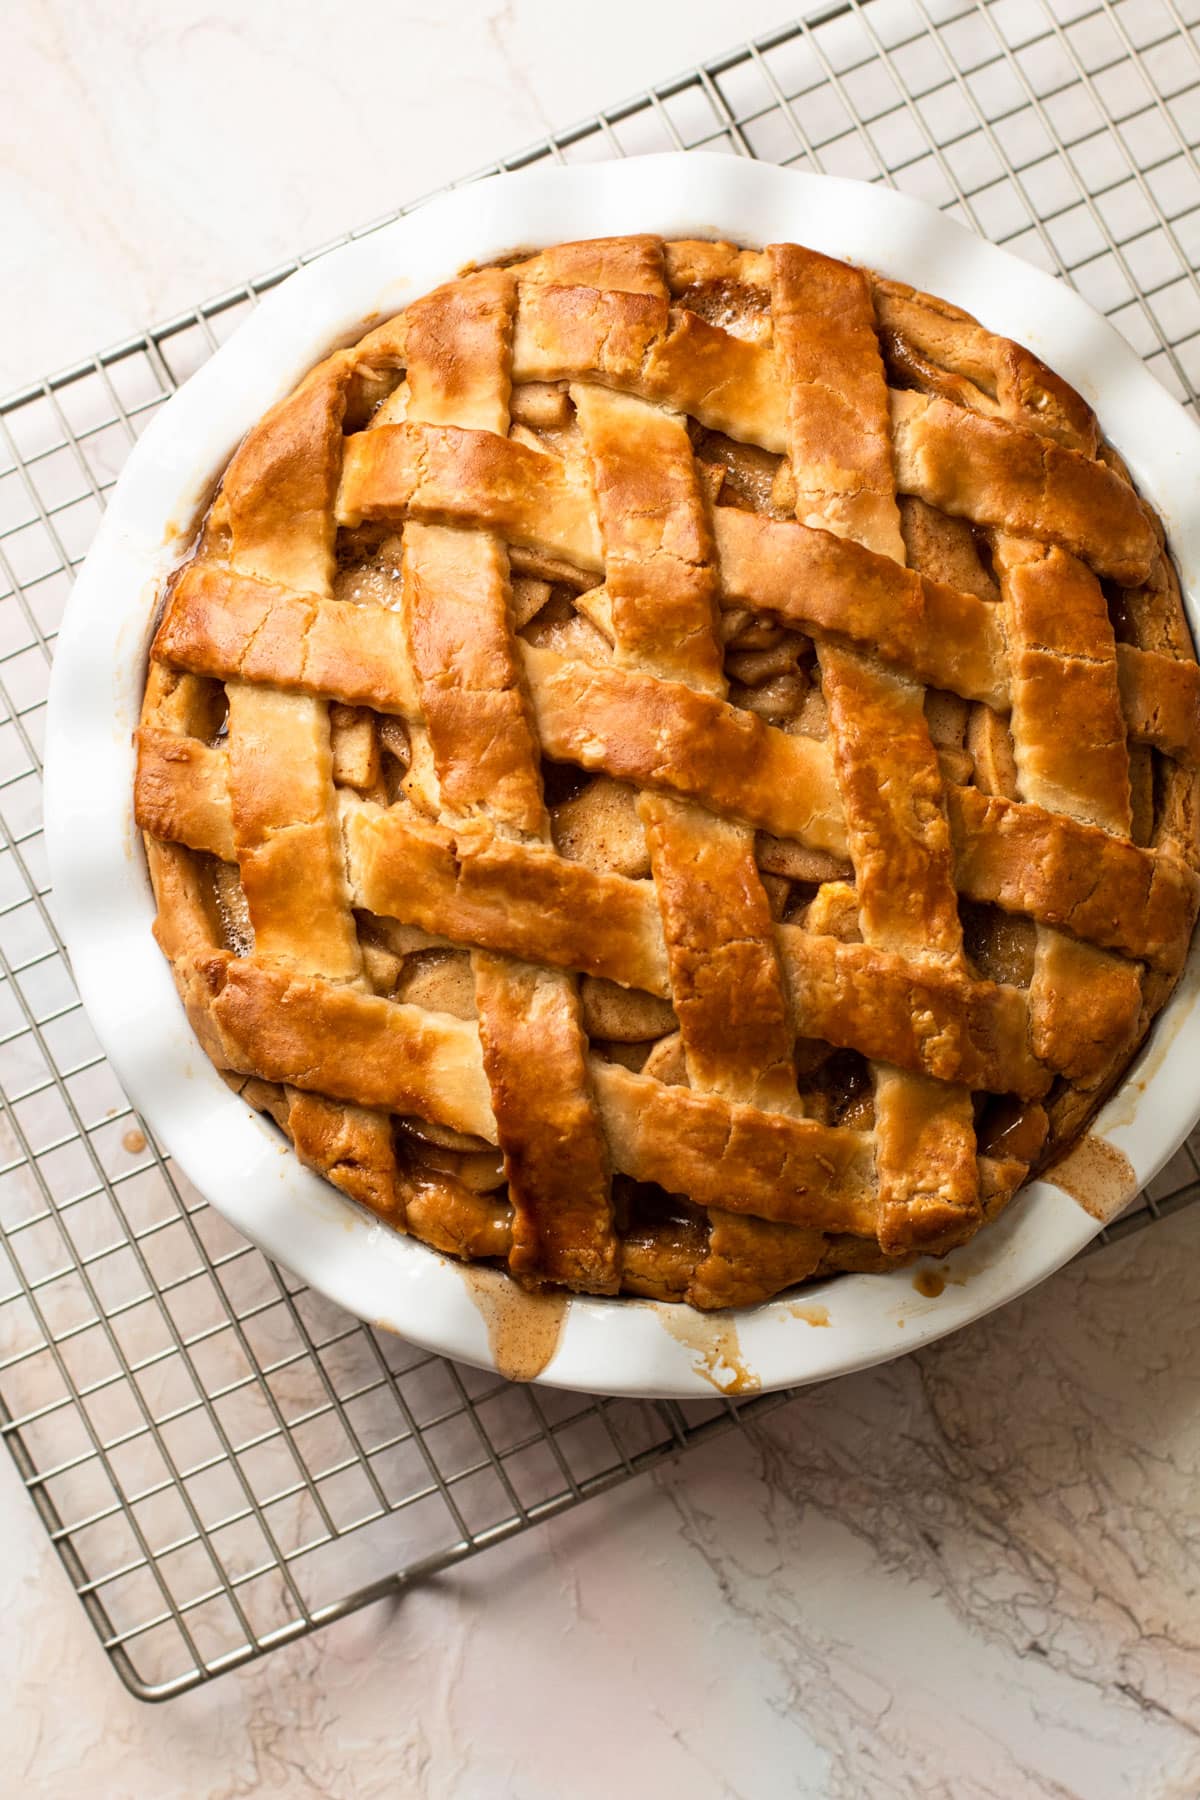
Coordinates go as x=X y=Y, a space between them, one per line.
x=102 y=894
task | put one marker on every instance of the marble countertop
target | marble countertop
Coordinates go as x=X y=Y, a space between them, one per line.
x=974 y=1573
x=971 y=1575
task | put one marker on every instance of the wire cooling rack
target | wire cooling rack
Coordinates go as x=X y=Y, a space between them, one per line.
x=223 y=1460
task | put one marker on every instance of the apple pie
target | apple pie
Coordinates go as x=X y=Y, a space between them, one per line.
x=672 y=769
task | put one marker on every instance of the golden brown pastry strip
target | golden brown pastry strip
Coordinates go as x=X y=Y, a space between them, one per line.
x=277 y=509
x=457 y=608
x=725 y=978
x=667 y=737
x=823 y=583
x=726 y=985
x=932 y=1020
x=1068 y=730
x=658 y=550
x=1071 y=757
x=473 y=887
x=839 y=444
x=556 y=1156
x=182 y=792
x=1049 y=867
x=224 y=625
x=470 y=688
x=996 y=472
x=276 y=512
x=1000 y=475
x=794 y=1171
x=442 y=474
x=478 y=888
x=331 y=1039
x=637 y=342
x=895 y=803
x=1160 y=698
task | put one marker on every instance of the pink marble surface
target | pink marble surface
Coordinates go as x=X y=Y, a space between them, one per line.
x=155 y=152
x=972 y=1574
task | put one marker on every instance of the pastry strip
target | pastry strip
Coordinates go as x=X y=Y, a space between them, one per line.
x=887 y=768
x=474 y=887
x=471 y=693
x=726 y=984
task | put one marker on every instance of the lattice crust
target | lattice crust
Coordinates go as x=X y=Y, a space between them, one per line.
x=674 y=768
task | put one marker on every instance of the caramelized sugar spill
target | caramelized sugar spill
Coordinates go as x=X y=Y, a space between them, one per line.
x=811 y=1315
x=1097 y=1175
x=714 y=1339
x=524 y=1329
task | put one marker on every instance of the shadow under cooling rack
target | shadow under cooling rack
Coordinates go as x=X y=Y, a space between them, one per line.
x=223 y=1460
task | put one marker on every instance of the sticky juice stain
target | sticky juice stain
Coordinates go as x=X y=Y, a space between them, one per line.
x=714 y=1342
x=810 y=1314
x=524 y=1329
x=1096 y=1175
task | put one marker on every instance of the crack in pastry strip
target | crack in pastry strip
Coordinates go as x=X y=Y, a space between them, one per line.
x=476 y=888
x=887 y=768
x=469 y=679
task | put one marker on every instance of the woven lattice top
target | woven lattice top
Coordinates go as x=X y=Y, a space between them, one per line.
x=674 y=768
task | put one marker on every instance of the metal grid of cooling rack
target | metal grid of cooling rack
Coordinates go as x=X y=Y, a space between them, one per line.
x=224 y=1461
